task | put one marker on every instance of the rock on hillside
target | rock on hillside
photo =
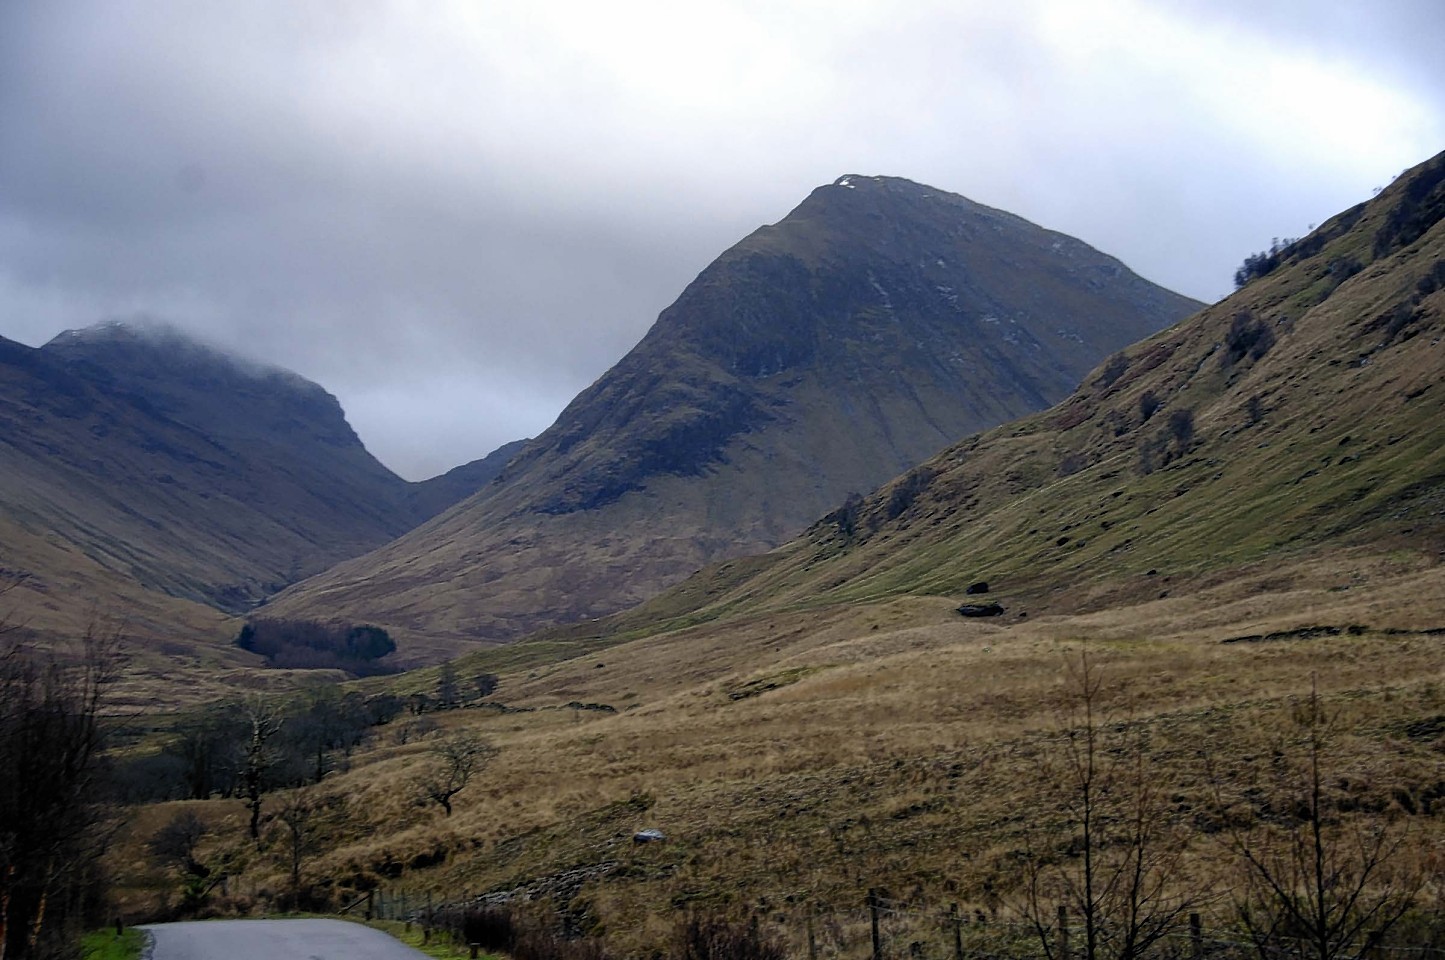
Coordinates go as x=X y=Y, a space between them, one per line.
x=876 y=323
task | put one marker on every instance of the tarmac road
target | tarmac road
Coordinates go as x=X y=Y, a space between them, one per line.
x=274 y=940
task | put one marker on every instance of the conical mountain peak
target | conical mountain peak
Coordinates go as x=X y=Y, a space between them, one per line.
x=878 y=321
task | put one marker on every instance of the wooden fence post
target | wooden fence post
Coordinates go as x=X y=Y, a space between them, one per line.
x=369 y=895
x=873 y=916
x=1063 y=932
x=1196 y=936
x=957 y=922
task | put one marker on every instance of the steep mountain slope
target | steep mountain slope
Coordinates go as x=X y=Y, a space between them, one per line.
x=183 y=471
x=879 y=321
x=1300 y=417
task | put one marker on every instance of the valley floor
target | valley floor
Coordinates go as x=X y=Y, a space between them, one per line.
x=795 y=761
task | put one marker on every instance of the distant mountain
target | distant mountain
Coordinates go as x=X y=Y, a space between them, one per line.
x=1299 y=421
x=186 y=471
x=430 y=497
x=879 y=321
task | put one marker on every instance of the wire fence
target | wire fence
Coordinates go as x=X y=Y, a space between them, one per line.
x=883 y=928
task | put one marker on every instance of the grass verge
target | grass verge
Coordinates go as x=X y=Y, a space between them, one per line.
x=105 y=945
x=439 y=946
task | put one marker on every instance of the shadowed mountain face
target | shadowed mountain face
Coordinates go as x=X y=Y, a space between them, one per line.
x=878 y=322
x=186 y=471
x=1301 y=418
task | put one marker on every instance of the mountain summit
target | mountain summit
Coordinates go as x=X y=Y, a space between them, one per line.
x=1290 y=437
x=132 y=452
x=879 y=321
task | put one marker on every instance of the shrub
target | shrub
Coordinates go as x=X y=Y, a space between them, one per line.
x=907 y=490
x=1072 y=463
x=491 y=928
x=845 y=518
x=1248 y=336
x=486 y=684
x=498 y=929
x=1254 y=409
x=712 y=938
x=1153 y=453
x=1343 y=268
x=1117 y=366
x=1433 y=279
x=1181 y=427
x=1421 y=206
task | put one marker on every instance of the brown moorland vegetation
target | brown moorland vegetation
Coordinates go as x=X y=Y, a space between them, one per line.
x=798 y=760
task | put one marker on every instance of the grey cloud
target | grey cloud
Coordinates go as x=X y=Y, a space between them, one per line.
x=456 y=216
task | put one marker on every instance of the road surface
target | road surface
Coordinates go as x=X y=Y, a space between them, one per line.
x=274 y=940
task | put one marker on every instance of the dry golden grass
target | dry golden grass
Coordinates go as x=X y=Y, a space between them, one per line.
x=807 y=756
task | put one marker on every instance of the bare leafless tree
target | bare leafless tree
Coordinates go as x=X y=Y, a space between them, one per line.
x=1315 y=882
x=1120 y=871
x=452 y=763
x=447 y=696
x=299 y=815
x=263 y=723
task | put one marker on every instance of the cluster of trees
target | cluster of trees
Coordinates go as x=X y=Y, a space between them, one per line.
x=53 y=821
x=294 y=828
x=253 y=745
x=299 y=817
x=452 y=691
x=257 y=747
x=316 y=644
x=1265 y=262
x=237 y=748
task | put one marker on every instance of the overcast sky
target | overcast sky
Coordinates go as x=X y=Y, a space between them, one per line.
x=454 y=216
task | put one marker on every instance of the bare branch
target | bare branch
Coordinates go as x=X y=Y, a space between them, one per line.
x=453 y=762
x=1120 y=873
x=1314 y=883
